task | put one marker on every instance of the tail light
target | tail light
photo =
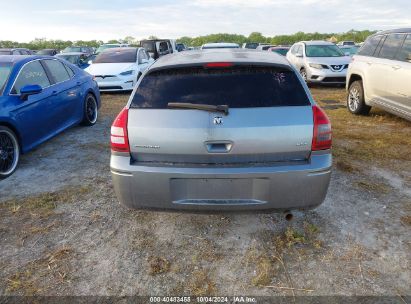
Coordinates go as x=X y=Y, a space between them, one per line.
x=218 y=65
x=322 y=137
x=119 y=136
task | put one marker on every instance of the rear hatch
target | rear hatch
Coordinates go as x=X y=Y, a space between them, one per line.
x=269 y=116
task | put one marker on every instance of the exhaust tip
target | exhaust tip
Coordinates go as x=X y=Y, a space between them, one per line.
x=289 y=216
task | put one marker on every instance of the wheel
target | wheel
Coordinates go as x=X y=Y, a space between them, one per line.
x=303 y=73
x=90 y=111
x=9 y=152
x=355 y=99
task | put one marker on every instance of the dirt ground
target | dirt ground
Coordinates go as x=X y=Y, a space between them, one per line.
x=62 y=231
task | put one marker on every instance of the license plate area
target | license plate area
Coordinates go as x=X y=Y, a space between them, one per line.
x=220 y=191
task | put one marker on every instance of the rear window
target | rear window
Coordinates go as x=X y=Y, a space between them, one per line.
x=240 y=87
x=111 y=56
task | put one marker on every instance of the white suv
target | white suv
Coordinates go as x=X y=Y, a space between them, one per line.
x=319 y=61
x=380 y=74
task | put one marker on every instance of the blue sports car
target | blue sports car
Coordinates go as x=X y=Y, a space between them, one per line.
x=40 y=96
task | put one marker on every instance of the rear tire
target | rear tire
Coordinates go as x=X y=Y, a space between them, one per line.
x=355 y=99
x=90 y=111
x=9 y=152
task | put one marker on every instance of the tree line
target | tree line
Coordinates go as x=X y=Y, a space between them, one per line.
x=42 y=43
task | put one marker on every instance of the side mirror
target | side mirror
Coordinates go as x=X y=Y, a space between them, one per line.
x=299 y=55
x=28 y=90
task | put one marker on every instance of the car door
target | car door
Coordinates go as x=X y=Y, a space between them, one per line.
x=401 y=75
x=382 y=68
x=67 y=95
x=32 y=116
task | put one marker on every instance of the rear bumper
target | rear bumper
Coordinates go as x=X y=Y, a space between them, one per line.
x=283 y=187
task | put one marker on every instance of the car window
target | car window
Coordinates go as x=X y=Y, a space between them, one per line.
x=5 y=69
x=239 y=87
x=57 y=70
x=70 y=58
x=32 y=73
x=141 y=56
x=163 y=47
x=114 y=56
x=370 y=45
x=69 y=71
x=146 y=54
x=16 y=53
x=391 y=46
x=323 y=51
x=404 y=54
x=5 y=52
x=149 y=46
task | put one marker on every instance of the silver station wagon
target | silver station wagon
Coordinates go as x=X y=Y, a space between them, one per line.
x=229 y=129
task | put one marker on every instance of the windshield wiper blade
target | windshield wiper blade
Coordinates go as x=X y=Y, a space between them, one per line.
x=204 y=107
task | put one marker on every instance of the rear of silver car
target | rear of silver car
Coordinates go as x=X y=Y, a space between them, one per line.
x=168 y=154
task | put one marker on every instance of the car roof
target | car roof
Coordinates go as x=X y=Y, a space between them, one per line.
x=400 y=30
x=317 y=42
x=220 y=44
x=194 y=58
x=71 y=54
x=121 y=49
x=22 y=59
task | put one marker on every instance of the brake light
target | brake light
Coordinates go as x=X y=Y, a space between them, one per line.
x=218 y=65
x=322 y=136
x=119 y=136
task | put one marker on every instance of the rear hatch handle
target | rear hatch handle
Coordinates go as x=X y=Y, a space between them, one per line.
x=203 y=107
x=219 y=146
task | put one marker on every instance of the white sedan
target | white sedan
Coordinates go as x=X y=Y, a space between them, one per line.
x=119 y=69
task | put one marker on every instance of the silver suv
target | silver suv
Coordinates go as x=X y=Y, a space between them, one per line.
x=319 y=61
x=380 y=74
x=228 y=129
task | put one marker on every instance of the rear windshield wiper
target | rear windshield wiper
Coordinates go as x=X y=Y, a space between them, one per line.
x=204 y=107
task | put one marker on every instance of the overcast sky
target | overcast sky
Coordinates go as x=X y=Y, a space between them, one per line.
x=23 y=20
